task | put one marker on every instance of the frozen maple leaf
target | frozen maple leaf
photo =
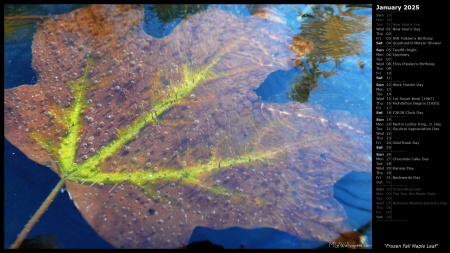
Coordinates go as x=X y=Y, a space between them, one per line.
x=157 y=136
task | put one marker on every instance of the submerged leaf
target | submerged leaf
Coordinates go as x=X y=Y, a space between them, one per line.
x=158 y=136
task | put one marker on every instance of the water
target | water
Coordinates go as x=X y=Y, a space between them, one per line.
x=336 y=76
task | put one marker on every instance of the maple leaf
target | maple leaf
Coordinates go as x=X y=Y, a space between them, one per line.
x=154 y=137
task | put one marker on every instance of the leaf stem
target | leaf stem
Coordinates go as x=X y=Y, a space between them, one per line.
x=37 y=215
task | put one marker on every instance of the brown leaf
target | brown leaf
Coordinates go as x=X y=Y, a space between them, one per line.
x=158 y=136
